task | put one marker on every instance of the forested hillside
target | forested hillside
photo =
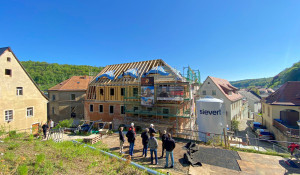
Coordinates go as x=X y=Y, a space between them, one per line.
x=264 y=82
x=289 y=74
x=47 y=75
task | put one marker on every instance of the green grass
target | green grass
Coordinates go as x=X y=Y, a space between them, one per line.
x=32 y=156
x=268 y=152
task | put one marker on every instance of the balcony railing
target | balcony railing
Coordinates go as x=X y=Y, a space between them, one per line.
x=286 y=130
x=147 y=121
x=185 y=114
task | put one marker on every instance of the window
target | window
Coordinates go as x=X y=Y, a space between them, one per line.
x=100 y=108
x=203 y=92
x=122 y=109
x=213 y=92
x=101 y=92
x=149 y=109
x=263 y=108
x=165 y=111
x=9 y=115
x=73 y=112
x=111 y=109
x=8 y=72
x=135 y=108
x=8 y=59
x=53 y=112
x=135 y=91
x=268 y=111
x=19 y=90
x=73 y=97
x=30 y=112
x=208 y=82
x=91 y=108
x=112 y=91
x=122 y=91
x=53 y=97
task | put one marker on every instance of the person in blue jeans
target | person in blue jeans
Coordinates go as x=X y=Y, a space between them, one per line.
x=131 y=138
x=145 y=140
x=169 y=145
x=152 y=144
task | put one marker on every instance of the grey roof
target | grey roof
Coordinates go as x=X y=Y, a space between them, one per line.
x=3 y=49
x=249 y=95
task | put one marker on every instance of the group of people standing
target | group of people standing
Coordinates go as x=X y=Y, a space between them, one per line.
x=46 y=127
x=149 y=141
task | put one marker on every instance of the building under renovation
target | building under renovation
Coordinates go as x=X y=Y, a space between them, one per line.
x=143 y=93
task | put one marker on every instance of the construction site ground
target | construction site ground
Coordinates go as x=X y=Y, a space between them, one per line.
x=250 y=163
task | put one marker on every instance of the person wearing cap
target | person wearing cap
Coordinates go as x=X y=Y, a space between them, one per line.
x=151 y=129
x=131 y=138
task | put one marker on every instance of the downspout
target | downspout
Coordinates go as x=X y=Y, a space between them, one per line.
x=120 y=158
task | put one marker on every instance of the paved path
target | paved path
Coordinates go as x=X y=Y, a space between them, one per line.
x=244 y=128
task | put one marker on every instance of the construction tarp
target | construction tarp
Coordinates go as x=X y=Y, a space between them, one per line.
x=131 y=72
x=109 y=74
x=157 y=70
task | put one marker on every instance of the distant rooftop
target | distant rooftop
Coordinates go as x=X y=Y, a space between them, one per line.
x=75 y=83
x=287 y=94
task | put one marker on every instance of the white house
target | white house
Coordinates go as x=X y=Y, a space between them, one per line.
x=222 y=89
x=253 y=101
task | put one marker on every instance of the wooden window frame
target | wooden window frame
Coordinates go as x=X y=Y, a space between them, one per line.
x=27 y=112
x=100 y=108
x=12 y=115
x=91 y=105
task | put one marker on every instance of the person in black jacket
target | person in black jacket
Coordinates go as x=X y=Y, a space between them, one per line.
x=131 y=138
x=169 y=145
x=122 y=139
x=45 y=129
x=145 y=140
x=151 y=129
x=164 y=137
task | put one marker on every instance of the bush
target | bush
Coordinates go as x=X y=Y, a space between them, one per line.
x=64 y=123
x=235 y=125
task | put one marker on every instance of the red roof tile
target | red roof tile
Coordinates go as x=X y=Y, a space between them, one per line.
x=225 y=87
x=287 y=94
x=75 y=83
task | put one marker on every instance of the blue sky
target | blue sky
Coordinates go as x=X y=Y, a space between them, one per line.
x=227 y=39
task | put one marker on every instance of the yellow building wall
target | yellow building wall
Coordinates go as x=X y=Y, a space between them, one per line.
x=274 y=114
x=31 y=97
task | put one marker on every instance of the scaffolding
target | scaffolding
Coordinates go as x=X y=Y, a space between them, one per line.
x=192 y=75
x=166 y=114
